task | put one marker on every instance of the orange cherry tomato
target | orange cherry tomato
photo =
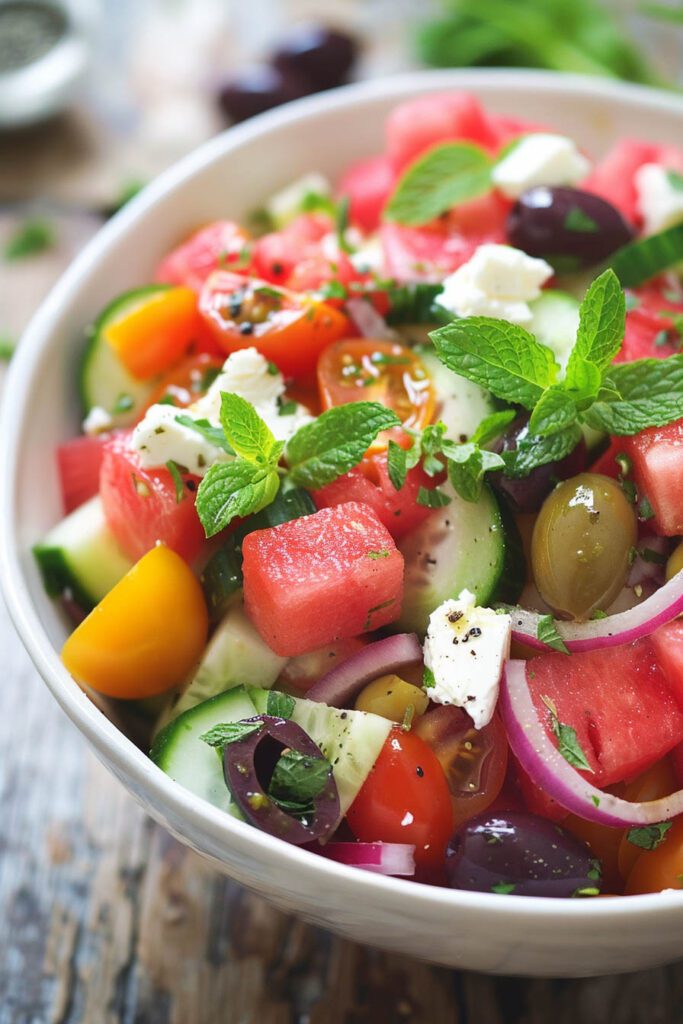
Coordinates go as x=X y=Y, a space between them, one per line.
x=658 y=781
x=360 y=369
x=604 y=843
x=405 y=799
x=157 y=332
x=187 y=381
x=661 y=868
x=146 y=635
x=289 y=329
x=474 y=761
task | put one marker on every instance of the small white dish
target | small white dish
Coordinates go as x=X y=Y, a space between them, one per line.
x=229 y=176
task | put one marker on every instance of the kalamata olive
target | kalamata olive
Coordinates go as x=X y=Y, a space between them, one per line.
x=519 y=853
x=581 y=545
x=257 y=88
x=322 y=56
x=567 y=227
x=528 y=493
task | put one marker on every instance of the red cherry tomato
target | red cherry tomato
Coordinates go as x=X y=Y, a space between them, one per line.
x=474 y=761
x=405 y=799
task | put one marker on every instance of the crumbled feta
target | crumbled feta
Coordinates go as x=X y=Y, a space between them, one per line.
x=660 y=199
x=97 y=421
x=248 y=374
x=498 y=281
x=291 y=201
x=465 y=649
x=159 y=438
x=539 y=159
x=329 y=243
x=369 y=256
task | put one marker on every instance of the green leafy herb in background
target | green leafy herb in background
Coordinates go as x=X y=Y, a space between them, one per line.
x=7 y=347
x=33 y=236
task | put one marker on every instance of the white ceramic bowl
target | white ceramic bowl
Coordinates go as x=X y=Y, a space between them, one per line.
x=229 y=176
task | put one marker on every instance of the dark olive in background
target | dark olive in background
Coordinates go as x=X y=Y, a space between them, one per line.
x=569 y=228
x=528 y=493
x=516 y=853
x=322 y=56
x=257 y=88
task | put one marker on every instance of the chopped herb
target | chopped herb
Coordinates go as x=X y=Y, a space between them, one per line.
x=595 y=800
x=229 y=732
x=280 y=705
x=272 y=369
x=661 y=338
x=577 y=220
x=599 y=614
x=432 y=498
x=33 y=236
x=299 y=778
x=376 y=608
x=595 y=872
x=547 y=633
x=503 y=888
x=124 y=403
x=286 y=406
x=428 y=680
x=655 y=557
x=378 y=554
x=649 y=837
x=586 y=891
x=174 y=470
x=266 y=292
x=343 y=224
x=7 y=347
x=675 y=180
x=333 y=290
x=567 y=743
x=645 y=509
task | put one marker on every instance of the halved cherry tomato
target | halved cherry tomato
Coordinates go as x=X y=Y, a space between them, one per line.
x=187 y=381
x=156 y=333
x=661 y=868
x=474 y=761
x=289 y=329
x=361 y=369
x=405 y=799
x=659 y=780
x=145 y=636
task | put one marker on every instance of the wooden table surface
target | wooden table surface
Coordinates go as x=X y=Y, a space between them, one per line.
x=105 y=919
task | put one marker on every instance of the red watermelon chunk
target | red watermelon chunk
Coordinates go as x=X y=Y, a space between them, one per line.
x=368 y=184
x=650 y=333
x=668 y=645
x=220 y=245
x=321 y=578
x=613 y=177
x=417 y=125
x=619 y=702
x=657 y=456
x=79 y=460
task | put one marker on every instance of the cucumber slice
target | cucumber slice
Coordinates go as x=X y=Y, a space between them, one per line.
x=179 y=751
x=350 y=740
x=103 y=381
x=555 y=322
x=458 y=547
x=80 y=556
x=461 y=405
x=236 y=654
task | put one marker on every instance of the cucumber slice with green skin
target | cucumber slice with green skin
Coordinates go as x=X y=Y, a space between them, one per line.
x=179 y=751
x=460 y=404
x=80 y=557
x=555 y=322
x=103 y=380
x=458 y=547
x=350 y=740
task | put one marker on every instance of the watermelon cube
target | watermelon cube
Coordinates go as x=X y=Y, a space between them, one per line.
x=320 y=578
x=657 y=456
x=419 y=124
x=668 y=644
x=619 y=701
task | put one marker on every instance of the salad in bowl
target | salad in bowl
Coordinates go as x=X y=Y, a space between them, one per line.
x=376 y=514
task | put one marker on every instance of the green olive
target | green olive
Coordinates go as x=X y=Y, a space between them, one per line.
x=581 y=545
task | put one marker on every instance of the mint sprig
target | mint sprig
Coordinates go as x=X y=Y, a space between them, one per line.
x=447 y=175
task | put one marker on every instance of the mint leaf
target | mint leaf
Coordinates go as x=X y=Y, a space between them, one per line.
x=584 y=383
x=214 y=435
x=578 y=220
x=299 y=778
x=467 y=464
x=501 y=357
x=335 y=442
x=503 y=888
x=644 y=393
x=602 y=321
x=554 y=412
x=246 y=432
x=447 y=175
x=33 y=236
x=492 y=426
x=649 y=837
x=232 y=489
x=533 y=451
x=432 y=497
x=229 y=732
x=280 y=705
x=547 y=634
x=428 y=680
x=397 y=464
x=567 y=743
x=174 y=470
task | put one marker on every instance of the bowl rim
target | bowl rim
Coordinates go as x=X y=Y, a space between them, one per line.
x=100 y=732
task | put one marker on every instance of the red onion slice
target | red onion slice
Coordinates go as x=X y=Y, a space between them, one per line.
x=623 y=628
x=342 y=684
x=541 y=760
x=368 y=321
x=382 y=858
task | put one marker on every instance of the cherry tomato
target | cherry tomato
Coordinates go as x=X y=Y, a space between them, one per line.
x=405 y=799
x=146 y=635
x=661 y=868
x=604 y=842
x=659 y=780
x=187 y=381
x=377 y=371
x=289 y=329
x=474 y=761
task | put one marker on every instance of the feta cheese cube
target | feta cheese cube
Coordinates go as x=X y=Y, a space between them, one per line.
x=498 y=281
x=539 y=159
x=97 y=421
x=465 y=650
x=660 y=197
x=159 y=438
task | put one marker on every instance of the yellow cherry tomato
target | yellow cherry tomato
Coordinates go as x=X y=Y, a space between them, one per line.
x=675 y=563
x=390 y=697
x=661 y=868
x=145 y=636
